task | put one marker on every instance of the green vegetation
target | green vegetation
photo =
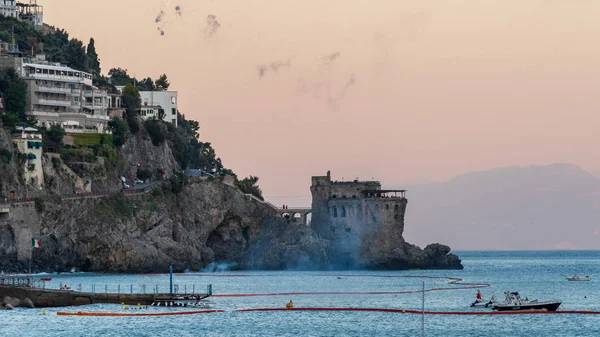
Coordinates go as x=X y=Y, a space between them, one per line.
x=162 y=84
x=87 y=139
x=5 y=156
x=249 y=185
x=155 y=131
x=14 y=91
x=132 y=103
x=39 y=204
x=77 y=155
x=56 y=133
x=119 y=130
x=120 y=77
x=143 y=175
x=56 y=162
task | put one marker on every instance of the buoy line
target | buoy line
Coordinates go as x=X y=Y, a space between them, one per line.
x=386 y=310
x=119 y=314
x=419 y=312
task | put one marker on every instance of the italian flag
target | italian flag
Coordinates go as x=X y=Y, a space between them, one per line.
x=35 y=243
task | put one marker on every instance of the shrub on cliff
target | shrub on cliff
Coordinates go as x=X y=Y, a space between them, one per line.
x=250 y=185
x=119 y=130
x=56 y=133
x=155 y=132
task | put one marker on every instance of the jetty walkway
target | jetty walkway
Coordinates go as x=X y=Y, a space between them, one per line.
x=22 y=287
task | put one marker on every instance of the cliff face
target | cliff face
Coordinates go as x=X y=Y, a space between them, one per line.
x=207 y=221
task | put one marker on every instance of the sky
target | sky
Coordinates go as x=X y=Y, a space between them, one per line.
x=402 y=91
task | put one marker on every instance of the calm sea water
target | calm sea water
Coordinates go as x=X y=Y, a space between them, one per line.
x=538 y=275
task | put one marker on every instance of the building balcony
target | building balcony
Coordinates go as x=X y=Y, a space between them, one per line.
x=94 y=93
x=95 y=105
x=54 y=102
x=75 y=92
x=59 y=78
x=58 y=90
x=86 y=130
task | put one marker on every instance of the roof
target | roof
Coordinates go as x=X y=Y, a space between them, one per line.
x=53 y=67
x=20 y=128
x=382 y=191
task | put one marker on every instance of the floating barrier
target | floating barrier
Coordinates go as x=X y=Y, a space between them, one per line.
x=118 y=314
x=419 y=312
x=387 y=310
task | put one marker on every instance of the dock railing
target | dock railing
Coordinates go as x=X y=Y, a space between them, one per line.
x=147 y=289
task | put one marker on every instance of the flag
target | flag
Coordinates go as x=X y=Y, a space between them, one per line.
x=35 y=243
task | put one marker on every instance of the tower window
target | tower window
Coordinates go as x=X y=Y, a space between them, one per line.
x=343 y=212
x=334 y=212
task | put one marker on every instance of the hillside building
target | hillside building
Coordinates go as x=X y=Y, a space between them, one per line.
x=157 y=103
x=31 y=13
x=8 y=8
x=153 y=101
x=57 y=94
x=28 y=141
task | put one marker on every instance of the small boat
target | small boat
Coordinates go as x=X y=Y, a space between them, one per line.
x=578 y=278
x=514 y=302
x=46 y=279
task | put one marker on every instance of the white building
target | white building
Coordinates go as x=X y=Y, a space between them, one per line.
x=57 y=94
x=29 y=142
x=8 y=8
x=167 y=100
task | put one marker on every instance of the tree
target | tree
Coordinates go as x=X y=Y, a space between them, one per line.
x=132 y=103
x=146 y=84
x=156 y=133
x=250 y=185
x=162 y=84
x=93 y=61
x=56 y=133
x=14 y=90
x=119 y=130
x=75 y=55
x=119 y=76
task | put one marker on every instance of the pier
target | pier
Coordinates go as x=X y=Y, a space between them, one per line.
x=22 y=287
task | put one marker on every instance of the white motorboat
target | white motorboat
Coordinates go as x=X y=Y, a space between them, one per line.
x=514 y=302
x=578 y=278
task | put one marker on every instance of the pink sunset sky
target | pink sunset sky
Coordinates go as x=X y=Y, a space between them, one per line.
x=441 y=87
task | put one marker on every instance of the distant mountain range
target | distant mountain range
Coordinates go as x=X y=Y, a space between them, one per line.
x=535 y=207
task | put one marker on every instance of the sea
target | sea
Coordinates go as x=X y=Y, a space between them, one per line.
x=536 y=274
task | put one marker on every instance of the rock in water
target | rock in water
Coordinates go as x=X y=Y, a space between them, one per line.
x=10 y=301
x=8 y=307
x=26 y=303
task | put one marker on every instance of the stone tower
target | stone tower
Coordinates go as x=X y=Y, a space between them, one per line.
x=362 y=221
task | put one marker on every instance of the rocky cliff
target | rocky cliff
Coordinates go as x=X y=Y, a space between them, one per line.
x=206 y=221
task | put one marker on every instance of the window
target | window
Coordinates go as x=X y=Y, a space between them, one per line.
x=172 y=121
x=173 y=99
x=348 y=230
x=387 y=206
x=343 y=212
x=334 y=211
x=396 y=207
x=173 y=111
